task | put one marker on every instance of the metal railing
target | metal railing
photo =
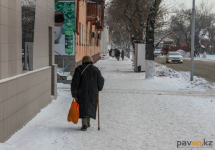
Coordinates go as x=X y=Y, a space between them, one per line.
x=64 y=68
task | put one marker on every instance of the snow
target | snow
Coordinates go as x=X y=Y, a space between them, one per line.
x=149 y=69
x=182 y=52
x=203 y=46
x=204 y=57
x=205 y=37
x=198 y=83
x=135 y=114
x=208 y=57
x=64 y=74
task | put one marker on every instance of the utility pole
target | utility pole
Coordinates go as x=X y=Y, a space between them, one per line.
x=192 y=41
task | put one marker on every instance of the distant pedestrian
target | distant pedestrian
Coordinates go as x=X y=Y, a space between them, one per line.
x=198 y=55
x=123 y=54
x=113 y=53
x=87 y=81
x=117 y=54
x=110 y=52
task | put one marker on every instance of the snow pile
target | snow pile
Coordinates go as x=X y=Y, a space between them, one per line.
x=163 y=71
x=183 y=53
x=204 y=55
x=65 y=74
x=211 y=57
x=187 y=55
x=166 y=72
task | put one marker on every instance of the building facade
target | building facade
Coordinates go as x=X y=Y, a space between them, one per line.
x=89 y=24
x=28 y=78
x=210 y=43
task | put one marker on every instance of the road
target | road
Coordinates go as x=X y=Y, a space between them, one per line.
x=204 y=69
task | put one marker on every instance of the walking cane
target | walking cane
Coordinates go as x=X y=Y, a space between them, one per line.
x=98 y=114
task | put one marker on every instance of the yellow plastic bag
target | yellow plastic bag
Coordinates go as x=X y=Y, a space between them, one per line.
x=73 y=115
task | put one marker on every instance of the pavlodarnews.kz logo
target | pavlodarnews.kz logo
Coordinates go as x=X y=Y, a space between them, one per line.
x=195 y=144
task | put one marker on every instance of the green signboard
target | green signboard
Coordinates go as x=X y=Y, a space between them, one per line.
x=65 y=27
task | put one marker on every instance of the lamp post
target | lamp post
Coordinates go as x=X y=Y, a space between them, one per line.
x=192 y=41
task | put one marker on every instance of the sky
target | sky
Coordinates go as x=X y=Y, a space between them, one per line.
x=183 y=4
x=188 y=3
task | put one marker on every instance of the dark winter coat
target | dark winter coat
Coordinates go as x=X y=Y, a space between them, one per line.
x=117 y=53
x=85 y=87
x=110 y=52
x=123 y=54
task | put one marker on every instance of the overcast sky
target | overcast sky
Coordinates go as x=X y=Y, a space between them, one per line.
x=188 y=3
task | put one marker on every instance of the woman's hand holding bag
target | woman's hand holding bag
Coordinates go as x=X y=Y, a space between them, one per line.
x=73 y=115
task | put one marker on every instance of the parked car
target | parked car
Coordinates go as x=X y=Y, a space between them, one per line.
x=157 y=52
x=174 y=57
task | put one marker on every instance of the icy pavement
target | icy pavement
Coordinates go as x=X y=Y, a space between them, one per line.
x=135 y=114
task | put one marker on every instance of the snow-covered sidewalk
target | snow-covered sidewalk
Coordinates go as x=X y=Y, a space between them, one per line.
x=135 y=114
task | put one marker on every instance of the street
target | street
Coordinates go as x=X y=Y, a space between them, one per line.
x=204 y=69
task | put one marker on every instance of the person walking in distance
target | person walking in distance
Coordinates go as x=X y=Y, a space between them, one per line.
x=87 y=81
x=123 y=54
x=110 y=52
x=117 y=54
x=113 y=53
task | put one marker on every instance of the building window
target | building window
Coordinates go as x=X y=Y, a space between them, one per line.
x=82 y=34
x=88 y=36
x=79 y=33
x=28 y=21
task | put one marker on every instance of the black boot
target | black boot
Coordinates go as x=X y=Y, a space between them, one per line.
x=84 y=128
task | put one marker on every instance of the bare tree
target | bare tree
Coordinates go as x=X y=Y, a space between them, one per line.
x=181 y=23
x=150 y=38
x=129 y=17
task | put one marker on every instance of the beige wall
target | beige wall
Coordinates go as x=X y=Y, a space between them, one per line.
x=21 y=98
x=43 y=20
x=23 y=95
x=10 y=38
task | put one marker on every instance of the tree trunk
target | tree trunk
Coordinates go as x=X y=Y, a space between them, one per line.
x=150 y=42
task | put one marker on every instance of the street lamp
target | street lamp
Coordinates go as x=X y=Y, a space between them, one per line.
x=192 y=41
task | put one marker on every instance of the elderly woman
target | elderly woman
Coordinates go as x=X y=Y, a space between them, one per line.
x=86 y=83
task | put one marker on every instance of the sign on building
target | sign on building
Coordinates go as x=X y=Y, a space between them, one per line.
x=65 y=28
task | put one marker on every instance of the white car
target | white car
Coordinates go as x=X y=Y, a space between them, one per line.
x=157 y=52
x=174 y=57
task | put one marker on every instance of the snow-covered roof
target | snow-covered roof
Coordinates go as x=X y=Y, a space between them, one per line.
x=205 y=37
